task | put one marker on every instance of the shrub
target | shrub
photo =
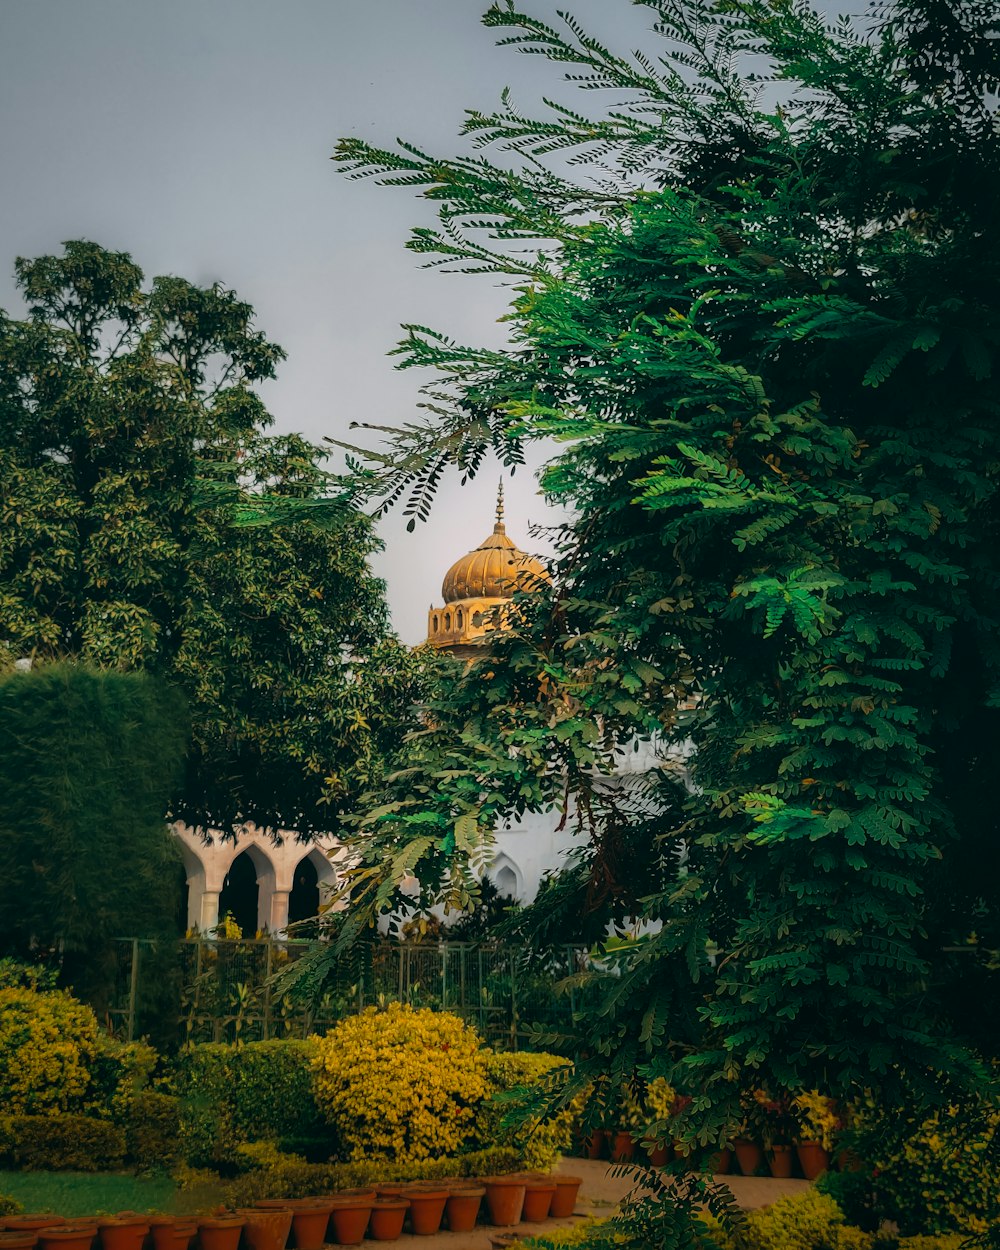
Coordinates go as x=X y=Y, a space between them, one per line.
x=9 y=1206
x=120 y=1071
x=253 y=1092
x=505 y=1119
x=48 y=1041
x=60 y=1143
x=403 y=1083
x=810 y=1221
x=927 y=1176
x=304 y=1180
x=942 y=1241
x=152 y=1130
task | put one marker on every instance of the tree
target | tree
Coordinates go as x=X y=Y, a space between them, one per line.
x=87 y=762
x=150 y=522
x=764 y=331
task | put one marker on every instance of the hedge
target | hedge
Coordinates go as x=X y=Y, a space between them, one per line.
x=304 y=1180
x=61 y=1143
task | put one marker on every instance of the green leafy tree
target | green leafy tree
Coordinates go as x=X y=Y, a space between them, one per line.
x=87 y=762
x=150 y=522
x=764 y=330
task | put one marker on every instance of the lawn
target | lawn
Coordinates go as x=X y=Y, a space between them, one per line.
x=93 y=1193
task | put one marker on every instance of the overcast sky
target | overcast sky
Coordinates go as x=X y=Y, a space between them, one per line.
x=196 y=135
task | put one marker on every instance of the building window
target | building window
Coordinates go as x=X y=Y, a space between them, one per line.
x=437 y=623
x=460 y=618
x=447 y=621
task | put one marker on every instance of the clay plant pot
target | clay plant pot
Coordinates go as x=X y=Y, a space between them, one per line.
x=219 y=1232
x=310 y=1220
x=722 y=1162
x=391 y=1191
x=749 y=1156
x=504 y=1199
x=564 y=1199
x=780 y=1159
x=813 y=1159
x=659 y=1156
x=67 y=1236
x=31 y=1223
x=349 y=1218
x=426 y=1209
x=595 y=1144
x=266 y=1229
x=538 y=1197
x=622 y=1147
x=847 y=1161
x=386 y=1220
x=169 y=1233
x=462 y=1208
x=123 y=1232
x=17 y=1241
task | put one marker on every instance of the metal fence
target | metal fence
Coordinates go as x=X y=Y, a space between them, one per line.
x=205 y=990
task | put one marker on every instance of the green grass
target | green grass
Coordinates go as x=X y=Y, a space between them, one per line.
x=94 y=1193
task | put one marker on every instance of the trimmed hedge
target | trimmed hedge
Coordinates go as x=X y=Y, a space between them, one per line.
x=152 y=1130
x=257 y=1091
x=304 y=1180
x=61 y=1143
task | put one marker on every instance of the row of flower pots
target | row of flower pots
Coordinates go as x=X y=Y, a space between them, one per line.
x=813 y=1159
x=343 y=1219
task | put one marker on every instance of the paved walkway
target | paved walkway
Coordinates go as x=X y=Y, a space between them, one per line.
x=599 y=1194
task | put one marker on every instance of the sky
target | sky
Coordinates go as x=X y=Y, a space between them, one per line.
x=196 y=135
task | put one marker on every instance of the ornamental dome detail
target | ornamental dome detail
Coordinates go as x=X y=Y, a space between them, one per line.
x=478 y=584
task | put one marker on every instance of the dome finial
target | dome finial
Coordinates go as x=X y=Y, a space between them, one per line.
x=499 y=525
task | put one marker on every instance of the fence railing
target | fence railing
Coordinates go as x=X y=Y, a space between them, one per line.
x=223 y=990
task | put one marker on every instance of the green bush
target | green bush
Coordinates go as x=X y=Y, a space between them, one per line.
x=303 y=1180
x=9 y=1206
x=927 y=1176
x=253 y=1092
x=119 y=1072
x=942 y=1241
x=810 y=1221
x=504 y=1119
x=48 y=1042
x=60 y=1143
x=152 y=1130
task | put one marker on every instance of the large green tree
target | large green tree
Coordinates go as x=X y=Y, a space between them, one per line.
x=765 y=332
x=149 y=521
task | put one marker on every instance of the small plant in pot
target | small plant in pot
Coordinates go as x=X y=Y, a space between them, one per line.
x=660 y=1102
x=778 y=1128
x=819 y=1125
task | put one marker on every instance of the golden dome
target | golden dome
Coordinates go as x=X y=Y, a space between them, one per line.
x=495 y=570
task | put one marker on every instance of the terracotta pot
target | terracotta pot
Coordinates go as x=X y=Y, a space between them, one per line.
x=538 y=1197
x=123 y=1232
x=813 y=1159
x=847 y=1161
x=17 y=1241
x=595 y=1143
x=659 y=1156
x=349 y=1218
x=748 y=1155
x=504 y=1199
x=390 y=1191
x=722 y=1163
x=168 y=1233
x=67 y=1236
x=462 y=1207
x=266 y=1229
x=564 y=1199
x=219 y=1232
x=386 y=1220
x=622 y=1147
x=426 y=1209
x=31 y=1223
x=780 y=1159
x=309 y=1224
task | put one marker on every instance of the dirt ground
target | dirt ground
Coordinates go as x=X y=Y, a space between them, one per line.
x=599 y=1194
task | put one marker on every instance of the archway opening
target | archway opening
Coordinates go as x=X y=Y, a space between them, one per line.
x=303 y=901
x=182 y=914
x=240 y=894
x=506 y=881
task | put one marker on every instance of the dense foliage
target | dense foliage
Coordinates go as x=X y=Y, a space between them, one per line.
x=48 y=1043
x=401 y=1084
x=87 y=762
x=764 y=332
x=147 y=520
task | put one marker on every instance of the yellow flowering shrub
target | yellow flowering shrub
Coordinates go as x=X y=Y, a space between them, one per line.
x=48 y=1042
x=809 y=1221
x=502 y=1119
x=817 y=1117
x=402 y=1084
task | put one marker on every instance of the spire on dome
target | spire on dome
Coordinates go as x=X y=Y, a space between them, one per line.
x=499 y=527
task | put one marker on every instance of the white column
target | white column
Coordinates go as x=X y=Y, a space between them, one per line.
x=208 y=916
x=278 y=921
